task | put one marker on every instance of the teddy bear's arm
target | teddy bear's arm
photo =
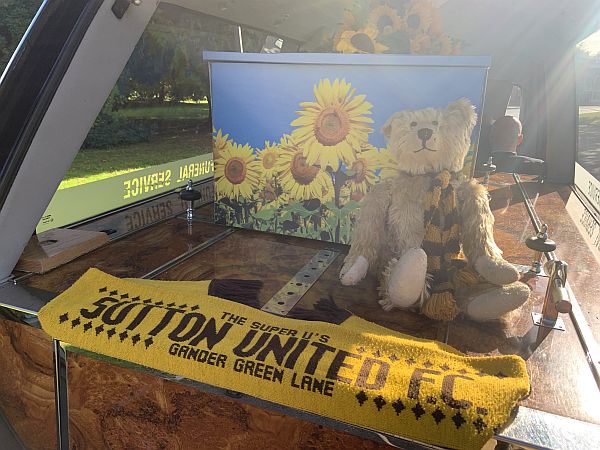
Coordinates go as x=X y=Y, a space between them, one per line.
x=368 y=236
x=477 y=233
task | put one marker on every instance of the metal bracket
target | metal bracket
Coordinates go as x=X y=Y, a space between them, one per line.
x=538 y=319
x=287 y=297
x=522 y=268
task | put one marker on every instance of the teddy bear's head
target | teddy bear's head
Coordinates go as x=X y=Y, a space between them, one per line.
x=430 y=140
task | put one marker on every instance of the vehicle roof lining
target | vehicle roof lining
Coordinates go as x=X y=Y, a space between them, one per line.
x=519 y=22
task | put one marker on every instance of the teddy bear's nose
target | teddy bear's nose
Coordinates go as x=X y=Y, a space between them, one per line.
x=425 y=133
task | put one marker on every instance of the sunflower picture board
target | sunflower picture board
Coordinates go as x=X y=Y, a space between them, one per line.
x=297 y=137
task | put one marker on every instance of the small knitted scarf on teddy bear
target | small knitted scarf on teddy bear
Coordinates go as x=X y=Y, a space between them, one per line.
x=442 y=246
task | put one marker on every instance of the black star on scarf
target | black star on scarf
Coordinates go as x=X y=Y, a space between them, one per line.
x=482 y=411
x=110 y=333
x=418 y=411
x=394 y=358
x=99 y=329
x=75 y=322
x=195 y=307
x=113 y=292
x=428 y=364
x=410 y=361
x=135 y=339
x=63 y=318
x=148 y=342
x=458 y=420
x=438 y=415
x=104 y=289
x=445 y=367
x=398 y=406
x=124 y=295
x=87 y=327
x=479 y=425
x=123 y=336
x=379 y=402
x=361 y=397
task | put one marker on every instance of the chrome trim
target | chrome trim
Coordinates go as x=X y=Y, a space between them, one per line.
x=177 y=260
x=584 y=333
x=289 y=295
x=61 y=395
x=532 y=428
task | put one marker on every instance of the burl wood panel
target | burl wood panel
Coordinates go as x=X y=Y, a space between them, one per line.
x=27 y=384
x=117 y=408
x=133 y=256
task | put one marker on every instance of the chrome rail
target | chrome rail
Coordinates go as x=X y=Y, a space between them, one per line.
x=584 y=333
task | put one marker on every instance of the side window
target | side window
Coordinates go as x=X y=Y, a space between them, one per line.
x=514 y=102
x=153 y=133
x=15 y=17
x=587 y=66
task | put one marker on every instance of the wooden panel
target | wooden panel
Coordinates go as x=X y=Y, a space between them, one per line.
x=113 y=407
x=54 y=248
x=251 y=255
x=133 y=256
x=27 y=384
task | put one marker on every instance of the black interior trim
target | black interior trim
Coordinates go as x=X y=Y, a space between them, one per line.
x=33 y=76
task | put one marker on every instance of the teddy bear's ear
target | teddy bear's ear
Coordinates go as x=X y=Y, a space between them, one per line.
x=387 y=128
x=465 y=109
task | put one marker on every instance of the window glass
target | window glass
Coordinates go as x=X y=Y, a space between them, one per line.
x=15 y=17
x=153 y=133
x=588 y=97
x=514 y=102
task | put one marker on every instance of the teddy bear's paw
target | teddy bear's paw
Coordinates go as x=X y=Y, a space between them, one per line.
x=407 y=278
x=386 y=304
x=493 y=303
x=354 y=272
x=496 y=270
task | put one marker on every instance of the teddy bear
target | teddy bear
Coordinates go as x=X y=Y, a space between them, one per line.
x=427 y=234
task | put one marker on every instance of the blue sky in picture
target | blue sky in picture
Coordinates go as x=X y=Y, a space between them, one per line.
x=257 y=102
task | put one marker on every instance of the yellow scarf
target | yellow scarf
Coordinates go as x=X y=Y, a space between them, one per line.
x=356 y=372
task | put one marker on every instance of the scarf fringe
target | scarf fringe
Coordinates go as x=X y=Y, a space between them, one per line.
x=441 y=306
x=325 y=310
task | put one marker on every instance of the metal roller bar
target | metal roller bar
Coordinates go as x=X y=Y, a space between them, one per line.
x=289 y=295
x=175 y=261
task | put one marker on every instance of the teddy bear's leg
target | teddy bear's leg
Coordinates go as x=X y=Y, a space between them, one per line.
x=368 y=237
x=404 y=281
x=489 y=302
x=477 y=233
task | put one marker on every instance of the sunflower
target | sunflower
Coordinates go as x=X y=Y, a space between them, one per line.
x=421 y=44
x=387 y=163
x=333 y=126
x=220 y=142
x=419 y=17
x=385 y=19
x=442 y=45
x=300 y=180
x=236 y=172
x=361 y=41
x=268 y=158
x=364 y=167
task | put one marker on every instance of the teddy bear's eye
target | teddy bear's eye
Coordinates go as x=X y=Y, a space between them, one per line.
x=435 y=123
x=413 y=124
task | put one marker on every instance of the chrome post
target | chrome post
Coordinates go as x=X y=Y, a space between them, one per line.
x=61 y=395
x=488 y=168
x=540 y=244
x=556 y=299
